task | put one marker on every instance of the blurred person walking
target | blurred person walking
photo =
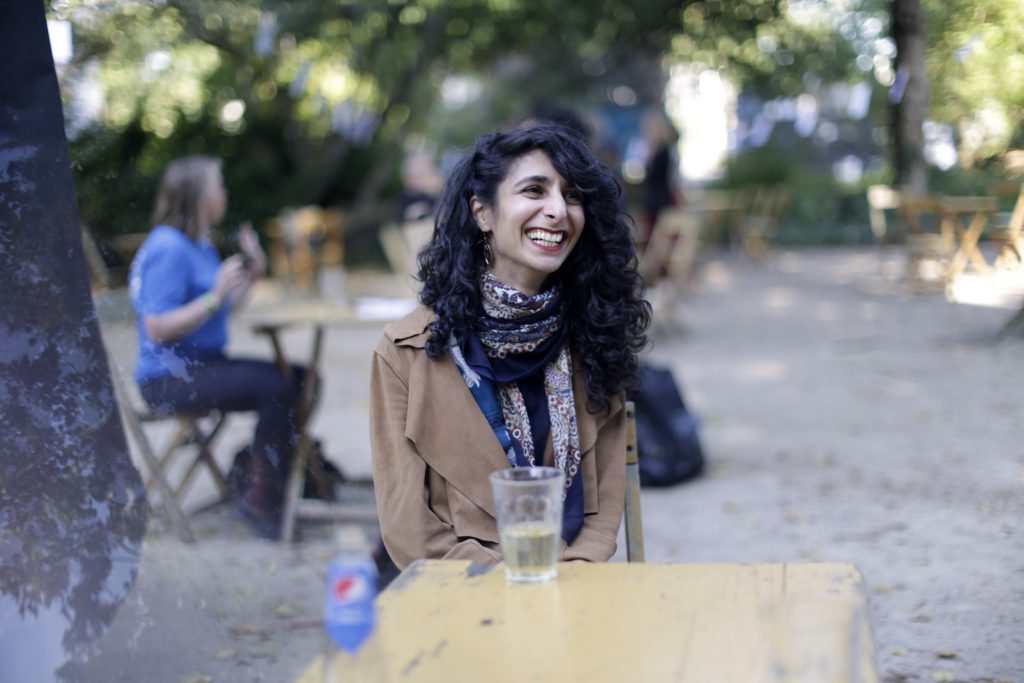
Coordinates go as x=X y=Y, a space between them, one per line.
x=661 y=187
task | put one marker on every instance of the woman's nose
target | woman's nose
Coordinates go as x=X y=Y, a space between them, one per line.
x=554 y=208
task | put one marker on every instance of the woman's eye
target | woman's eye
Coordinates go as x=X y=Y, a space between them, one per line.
x=532 y=189
x=574 y=197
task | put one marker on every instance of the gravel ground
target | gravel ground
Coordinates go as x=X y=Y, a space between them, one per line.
x=844 y=419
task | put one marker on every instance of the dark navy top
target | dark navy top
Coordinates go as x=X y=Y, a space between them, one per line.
x=527 y=371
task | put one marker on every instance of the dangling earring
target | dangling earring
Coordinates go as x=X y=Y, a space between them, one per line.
x=487 y=252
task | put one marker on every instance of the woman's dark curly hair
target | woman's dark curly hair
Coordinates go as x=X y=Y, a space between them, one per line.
x=606 y=313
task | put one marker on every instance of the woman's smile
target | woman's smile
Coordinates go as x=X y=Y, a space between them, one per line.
x=546 y=239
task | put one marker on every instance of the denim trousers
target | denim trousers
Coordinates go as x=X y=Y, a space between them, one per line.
x=237 y=385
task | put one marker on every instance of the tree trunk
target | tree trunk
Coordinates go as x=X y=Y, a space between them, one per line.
x=910 y=108
x=910 y=95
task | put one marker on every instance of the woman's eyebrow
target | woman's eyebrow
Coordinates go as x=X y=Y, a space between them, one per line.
x=543 y=179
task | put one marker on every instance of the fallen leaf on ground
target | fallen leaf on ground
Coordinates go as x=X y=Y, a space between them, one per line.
x=197 y=678
x=264 y=651
x=945 y=654
x=247 y=629
x=306 y=623
x=225 y=654
x=286 y=611
x=944 y=676
x=922 y=619
x=884 y=588
x=899 y=652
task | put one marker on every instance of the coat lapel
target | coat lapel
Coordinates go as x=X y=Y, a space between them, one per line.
x=450 y=431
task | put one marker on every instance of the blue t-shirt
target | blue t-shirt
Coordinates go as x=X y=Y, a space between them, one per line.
x=169 y=271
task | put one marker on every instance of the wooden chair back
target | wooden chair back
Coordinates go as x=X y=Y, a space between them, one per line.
x=882 y=198
x=634 y=521
x=302 y=241
x=402 y=243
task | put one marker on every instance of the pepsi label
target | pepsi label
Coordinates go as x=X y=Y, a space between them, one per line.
x=349 y=615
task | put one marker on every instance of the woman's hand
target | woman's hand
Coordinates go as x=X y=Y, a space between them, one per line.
x=229 y=287
x=232 y=281
x=249 y=242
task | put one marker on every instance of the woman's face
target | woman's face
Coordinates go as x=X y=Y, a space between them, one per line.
x=535 y=222
x=215 y=203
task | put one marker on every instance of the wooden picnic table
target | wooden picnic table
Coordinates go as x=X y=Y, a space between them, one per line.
x=699 y=623
x=318 y=315
x=960 y=221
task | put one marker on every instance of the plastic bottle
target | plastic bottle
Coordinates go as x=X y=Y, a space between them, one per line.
x=350 y=615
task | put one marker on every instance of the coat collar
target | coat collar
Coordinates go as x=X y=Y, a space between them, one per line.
x=446 y=424
x=412 y=329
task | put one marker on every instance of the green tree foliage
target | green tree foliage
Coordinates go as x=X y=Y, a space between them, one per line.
x=309 y=102
x=976 y=64
x=768 y=47
x=313 y=102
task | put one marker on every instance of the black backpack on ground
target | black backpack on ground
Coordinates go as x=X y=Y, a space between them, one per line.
x=238 y=475
x=668 y=445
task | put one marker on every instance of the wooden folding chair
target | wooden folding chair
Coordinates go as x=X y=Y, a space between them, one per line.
x=762 y=220
x=721 y=212
x=1008 y=227
x=190 y=432
x=929 y=242
x=634 y=523
x=882 y=198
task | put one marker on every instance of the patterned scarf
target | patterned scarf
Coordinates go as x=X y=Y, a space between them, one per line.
x=514 y=324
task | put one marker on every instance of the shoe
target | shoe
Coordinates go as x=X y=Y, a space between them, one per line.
x=266 y=526
x=260 y=504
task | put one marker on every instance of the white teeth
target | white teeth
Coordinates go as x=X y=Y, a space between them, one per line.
x=545 y=238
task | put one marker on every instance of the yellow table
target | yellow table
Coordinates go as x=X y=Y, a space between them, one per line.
x=699 y=623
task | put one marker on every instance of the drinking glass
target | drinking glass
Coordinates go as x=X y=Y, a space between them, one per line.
x=528 y=502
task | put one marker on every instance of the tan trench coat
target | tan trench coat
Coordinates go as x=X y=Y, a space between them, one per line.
x=433 y=451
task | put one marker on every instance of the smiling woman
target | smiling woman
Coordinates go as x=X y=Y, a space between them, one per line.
x=519 y=355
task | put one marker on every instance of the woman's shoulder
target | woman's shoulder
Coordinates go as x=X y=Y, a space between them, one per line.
x=411 y=330
x=401 y=346
x=165 y=238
